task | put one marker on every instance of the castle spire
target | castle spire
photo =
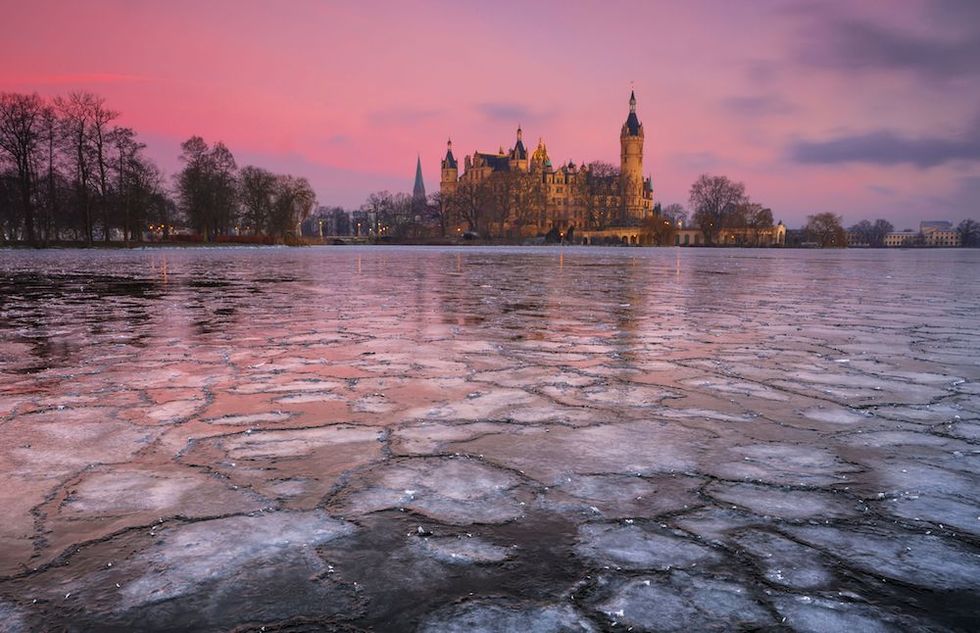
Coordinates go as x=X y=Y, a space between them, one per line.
x=519 y=152
x=632 y=125
x=419 y=192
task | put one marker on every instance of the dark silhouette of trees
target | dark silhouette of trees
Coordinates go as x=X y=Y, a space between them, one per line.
x=438 y=210
x=716 y=201
x=969 y=231
x=471 y=204
x=293 y=202
x=757 y=219
x=22 y=120
x=207 y=187
x=256 y=193
x=675 y=213
x=598 y=189
x=68 y=172
x=825 y=229
x=872 y=234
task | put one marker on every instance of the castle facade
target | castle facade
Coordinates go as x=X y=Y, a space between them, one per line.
x=523 y=194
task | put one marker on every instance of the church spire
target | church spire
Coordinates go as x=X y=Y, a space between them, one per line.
x=419 y=192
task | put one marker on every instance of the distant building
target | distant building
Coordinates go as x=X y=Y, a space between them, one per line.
x=935 y=236
x=739 y=236
x=931 y=234
x=326 y=221
x=908 y=237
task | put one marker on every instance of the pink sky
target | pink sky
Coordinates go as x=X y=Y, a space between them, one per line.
x=865 y=109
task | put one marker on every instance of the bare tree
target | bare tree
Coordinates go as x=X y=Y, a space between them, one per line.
x=969 y=231
x=826 y=230
x=598 y=192
x=293 y=202
x=75 y=114
x=675 y=213
x=714 y=199
x=872 y=234
x=21 y=125
x=758 y=219
x=207 y=187
x=471 y=203
x=256 y=190
x=132 y=175
x=101 y=134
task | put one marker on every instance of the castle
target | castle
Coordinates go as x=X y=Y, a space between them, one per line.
x=525 y=195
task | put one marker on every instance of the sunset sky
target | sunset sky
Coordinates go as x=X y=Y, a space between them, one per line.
x=867 y=109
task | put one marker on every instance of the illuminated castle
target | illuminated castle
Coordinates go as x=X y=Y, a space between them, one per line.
x=567 y=197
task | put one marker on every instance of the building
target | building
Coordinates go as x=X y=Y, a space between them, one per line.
x=737 y=236
x=935 y=238
x=937 y=233
x=908 y=237
x=932 y=234
x=532 y=197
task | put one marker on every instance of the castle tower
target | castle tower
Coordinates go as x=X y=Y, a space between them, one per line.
x=450 y=171
x=418 y=193
x=518 y=156
x=631 y=164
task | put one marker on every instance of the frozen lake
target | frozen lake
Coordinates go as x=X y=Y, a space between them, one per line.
x=541 y=439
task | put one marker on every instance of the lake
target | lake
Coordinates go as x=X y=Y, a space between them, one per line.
x=489 y=439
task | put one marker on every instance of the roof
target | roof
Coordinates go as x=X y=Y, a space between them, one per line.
x=519 y=152
x=632 y=124
x=495 y=161
x=449 y=161
x=419 y=190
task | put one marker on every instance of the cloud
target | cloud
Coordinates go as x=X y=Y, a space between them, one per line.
x=696 y=160
x=509 y=112
x=881 y=190
x=758 y=106
x=848 y=43
x=884 y=147
x=962 y=201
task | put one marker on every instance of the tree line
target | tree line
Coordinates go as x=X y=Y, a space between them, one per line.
x=69 y=172
x=720 y=203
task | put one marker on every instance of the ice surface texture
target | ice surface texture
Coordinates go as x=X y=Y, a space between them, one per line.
x=441 y=439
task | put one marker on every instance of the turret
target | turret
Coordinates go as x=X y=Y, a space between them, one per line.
x=631 y=163
x=450 y=171
x=518 y=155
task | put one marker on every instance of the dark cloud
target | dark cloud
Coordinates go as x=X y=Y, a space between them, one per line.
x=696 y=160
x=958 y=203
x=881 y=190
x=509 y=112
x=758 y=106
x=848 y=43
x=761 y=71
x=884 y=147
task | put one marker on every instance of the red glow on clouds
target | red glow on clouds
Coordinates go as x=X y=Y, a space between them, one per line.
x=346 y=95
